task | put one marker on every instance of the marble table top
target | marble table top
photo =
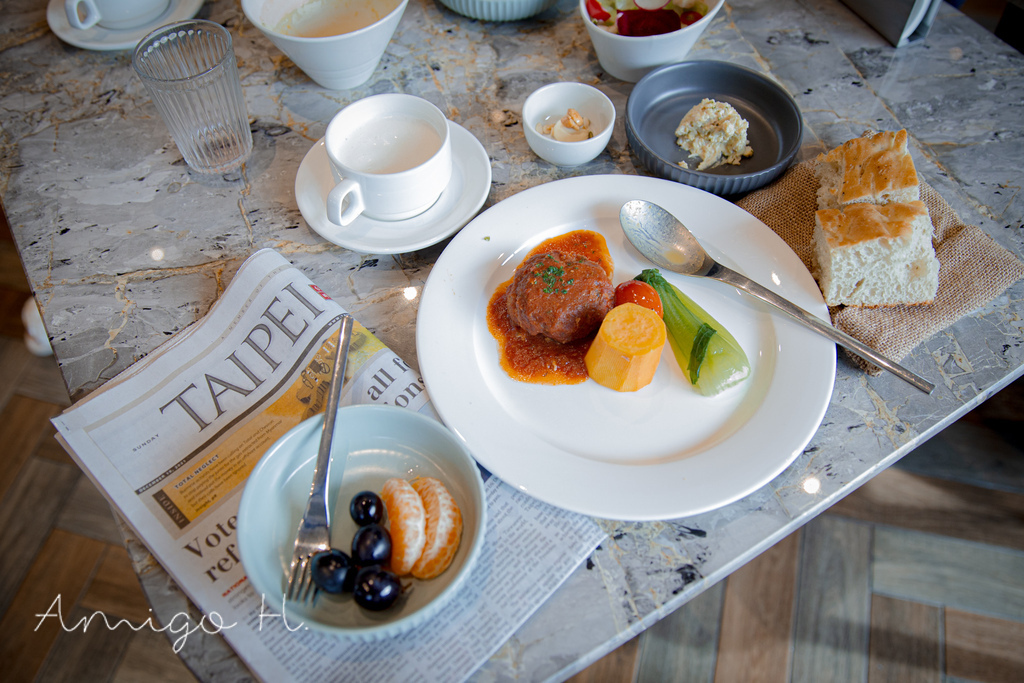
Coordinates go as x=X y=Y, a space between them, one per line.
x=123 y=246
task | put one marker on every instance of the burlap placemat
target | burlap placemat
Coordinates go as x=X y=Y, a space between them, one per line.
x=973 y=269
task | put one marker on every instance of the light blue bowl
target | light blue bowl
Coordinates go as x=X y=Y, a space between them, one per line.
x=382 y=442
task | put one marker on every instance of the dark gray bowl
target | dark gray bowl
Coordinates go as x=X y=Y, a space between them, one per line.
x=661 y=99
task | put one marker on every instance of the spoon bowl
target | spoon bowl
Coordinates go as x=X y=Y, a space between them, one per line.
x=660 y=237
x=663 y=239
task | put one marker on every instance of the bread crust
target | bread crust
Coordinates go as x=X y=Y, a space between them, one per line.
x=875 y=255
x=859 y=223
x=875 y=168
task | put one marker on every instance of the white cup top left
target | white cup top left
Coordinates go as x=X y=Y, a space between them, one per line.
x=390 y=155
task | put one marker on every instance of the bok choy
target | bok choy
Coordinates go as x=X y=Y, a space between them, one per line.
x=708 y=355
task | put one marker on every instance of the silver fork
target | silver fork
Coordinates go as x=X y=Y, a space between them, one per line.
x=314 y=533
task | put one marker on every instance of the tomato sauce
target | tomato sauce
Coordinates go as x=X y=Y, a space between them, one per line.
x=534 y=358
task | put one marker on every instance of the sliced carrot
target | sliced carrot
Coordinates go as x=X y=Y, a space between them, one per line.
x=627 y=349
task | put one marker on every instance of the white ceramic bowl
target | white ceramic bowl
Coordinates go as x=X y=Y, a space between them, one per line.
x=498 y=10
x=630 y=58
x=554 y=100
x=336 y=62
x=382 y=442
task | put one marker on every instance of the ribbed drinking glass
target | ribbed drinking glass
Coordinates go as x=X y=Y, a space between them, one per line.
x=189 y=69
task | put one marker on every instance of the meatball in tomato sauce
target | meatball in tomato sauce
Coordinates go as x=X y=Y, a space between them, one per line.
x=562 y=298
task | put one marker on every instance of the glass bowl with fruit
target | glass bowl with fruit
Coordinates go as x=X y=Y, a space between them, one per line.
x=633 y=37
x=407 y=521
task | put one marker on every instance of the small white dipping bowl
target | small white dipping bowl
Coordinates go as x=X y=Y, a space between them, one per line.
x=554 y=100
x=630 y=58
x=381 y=442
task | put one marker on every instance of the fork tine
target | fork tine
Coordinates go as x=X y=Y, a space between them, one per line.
x=308 y=589
x=292 y=579
x=297 y=581
x=301 y=587
x=304 y=577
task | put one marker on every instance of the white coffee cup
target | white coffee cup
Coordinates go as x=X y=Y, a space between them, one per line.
x=391 y=157
x=117 y=15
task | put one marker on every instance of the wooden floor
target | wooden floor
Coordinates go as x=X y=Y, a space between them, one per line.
x=58 y=538
x=917 y=576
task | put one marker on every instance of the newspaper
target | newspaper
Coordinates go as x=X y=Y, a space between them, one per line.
x=171 y=440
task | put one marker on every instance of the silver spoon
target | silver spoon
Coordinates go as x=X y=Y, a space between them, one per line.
x=660 y=236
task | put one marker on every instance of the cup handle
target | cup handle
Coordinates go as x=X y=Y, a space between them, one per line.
x=346 y=188
x=92 y=15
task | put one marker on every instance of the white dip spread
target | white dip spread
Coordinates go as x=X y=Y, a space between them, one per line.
x=715 y=132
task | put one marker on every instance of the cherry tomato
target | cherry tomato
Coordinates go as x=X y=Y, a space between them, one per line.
x=637 y=292
x=690 y=17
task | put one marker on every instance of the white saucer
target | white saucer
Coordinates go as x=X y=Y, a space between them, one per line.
x=457 y=205
x=99 y=38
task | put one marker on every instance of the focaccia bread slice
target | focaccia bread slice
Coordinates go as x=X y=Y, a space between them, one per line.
x=876 y=255
x=876 y=169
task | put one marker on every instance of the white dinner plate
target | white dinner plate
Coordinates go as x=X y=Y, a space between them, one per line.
x=99 y=38
x=466 y=193
x=659 y=453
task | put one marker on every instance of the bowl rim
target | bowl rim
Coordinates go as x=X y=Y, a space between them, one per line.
x=788 y=147
x=406 y=622
x=260 y=26
x=498 y=10
x=606 y=103
x=499 y=2
x=591 y=26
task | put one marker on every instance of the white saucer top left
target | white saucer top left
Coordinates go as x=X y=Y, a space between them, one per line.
x=99 y=38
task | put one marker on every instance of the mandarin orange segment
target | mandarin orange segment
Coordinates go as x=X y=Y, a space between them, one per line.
x=444 y=528
x=406 y=521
